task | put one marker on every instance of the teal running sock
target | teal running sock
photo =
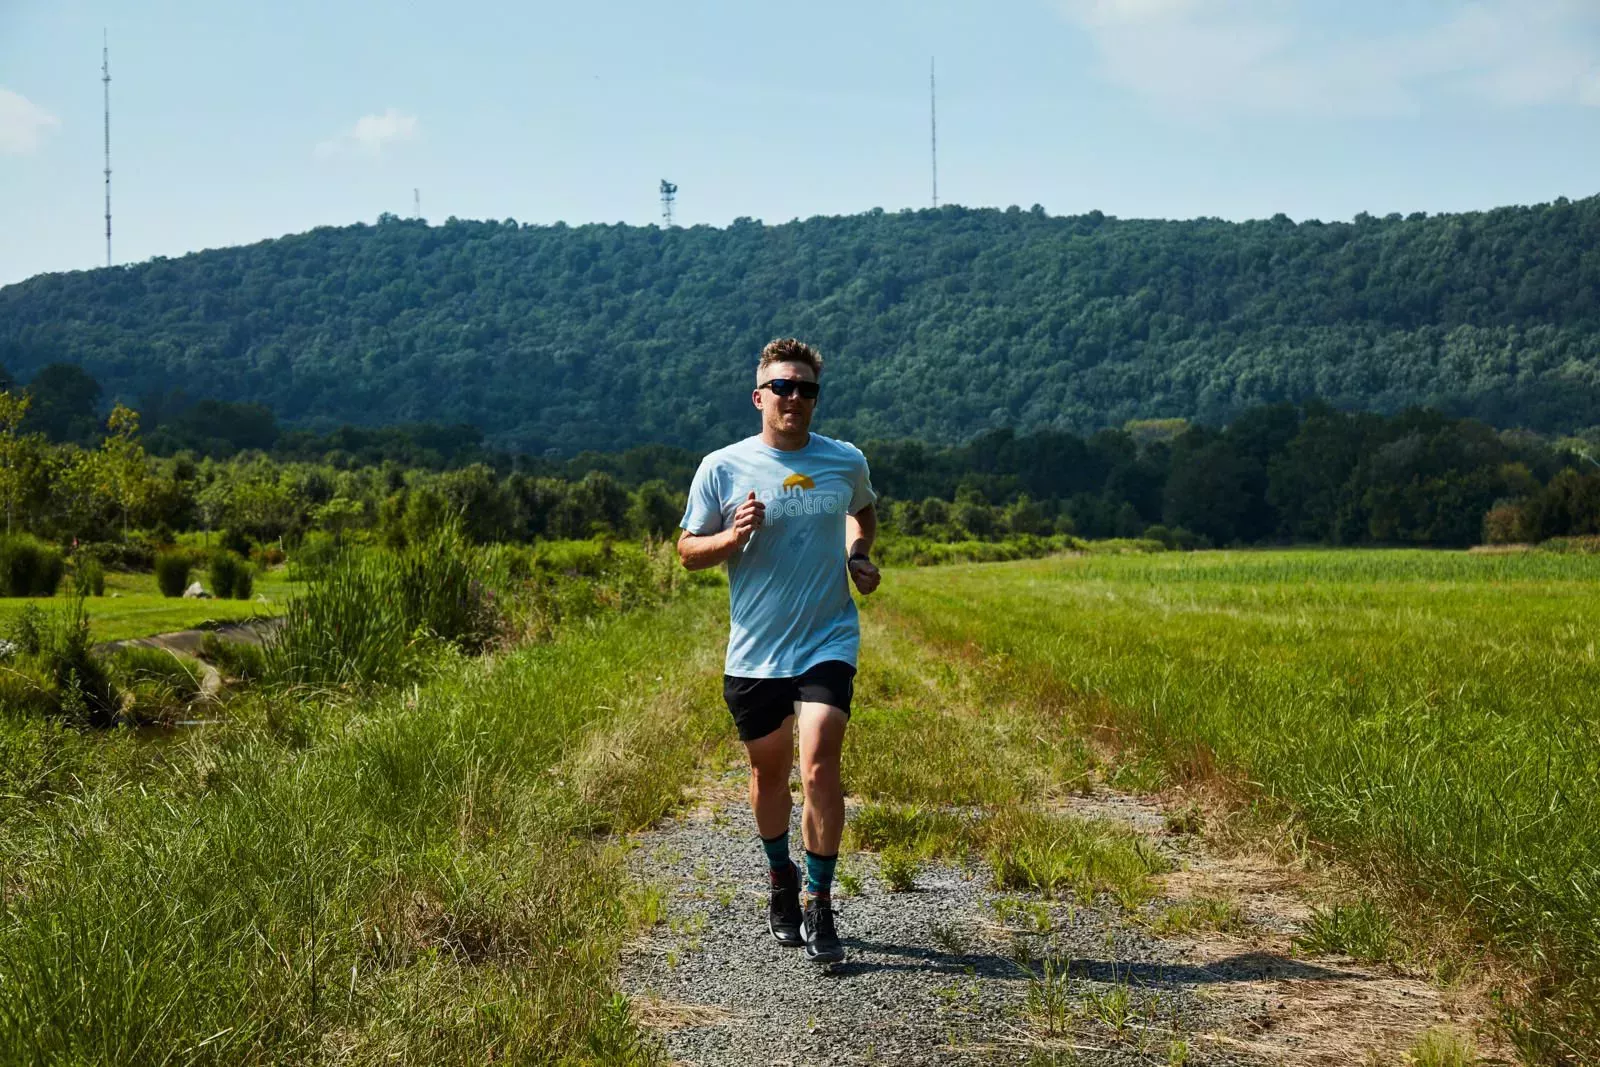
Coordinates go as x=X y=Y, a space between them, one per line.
x=819 y=873
x=777 y=849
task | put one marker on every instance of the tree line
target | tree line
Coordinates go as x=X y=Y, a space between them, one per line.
x=938 y=324
x=1276 y=474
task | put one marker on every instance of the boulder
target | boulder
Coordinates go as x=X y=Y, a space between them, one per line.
x=196 y=592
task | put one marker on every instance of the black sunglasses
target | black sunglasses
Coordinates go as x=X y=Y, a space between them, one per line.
x=787 y=386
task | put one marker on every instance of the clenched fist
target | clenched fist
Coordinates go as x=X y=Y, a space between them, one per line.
x=865 y=574
x=747 y=519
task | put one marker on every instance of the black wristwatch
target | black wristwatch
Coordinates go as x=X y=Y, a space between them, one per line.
x=859 y=555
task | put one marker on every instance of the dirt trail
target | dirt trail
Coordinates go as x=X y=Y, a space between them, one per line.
x=957 y=971
x=948 y=973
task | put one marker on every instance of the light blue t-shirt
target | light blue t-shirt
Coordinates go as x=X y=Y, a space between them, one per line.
x=788 y=590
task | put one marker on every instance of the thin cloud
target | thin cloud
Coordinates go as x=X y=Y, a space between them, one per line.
x=1267 y=56
x=22 y=124
x=370 y=135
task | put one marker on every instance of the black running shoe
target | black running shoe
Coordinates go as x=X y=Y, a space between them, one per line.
x=783 y=907
x=822 y=940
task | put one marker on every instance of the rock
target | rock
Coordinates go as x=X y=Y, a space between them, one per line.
x=196 y=592
x=7 y=649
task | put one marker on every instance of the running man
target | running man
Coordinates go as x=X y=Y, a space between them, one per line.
x=791 y=514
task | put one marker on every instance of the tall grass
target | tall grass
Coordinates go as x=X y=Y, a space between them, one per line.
x=1428 y=715
x=372 y=616
x=407 y=876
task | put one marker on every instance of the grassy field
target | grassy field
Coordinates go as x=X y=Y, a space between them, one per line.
x=411 y=875
x=134 y=607
x=1430 y=717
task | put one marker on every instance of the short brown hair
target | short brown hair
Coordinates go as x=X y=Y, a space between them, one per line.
x=788 y=350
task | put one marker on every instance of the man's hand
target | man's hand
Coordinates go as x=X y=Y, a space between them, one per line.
x=865 y=574
x=747 y=519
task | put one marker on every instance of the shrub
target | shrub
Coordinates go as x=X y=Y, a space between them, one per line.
x=230 y=575
x=27 y=630
x=88 y=576
x=83 y=689
x=29 y=566
x=172 y=572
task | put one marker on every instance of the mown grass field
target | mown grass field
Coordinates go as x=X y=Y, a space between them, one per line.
x=134 y=607
x=1429 y=717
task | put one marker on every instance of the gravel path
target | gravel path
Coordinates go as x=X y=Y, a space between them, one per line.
x=933 y=976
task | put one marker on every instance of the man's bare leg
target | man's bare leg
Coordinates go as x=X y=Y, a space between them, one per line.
x=821 y=742
x=771 y=758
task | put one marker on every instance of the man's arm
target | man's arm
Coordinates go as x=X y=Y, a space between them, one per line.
x=698 y=551
x=860 y=530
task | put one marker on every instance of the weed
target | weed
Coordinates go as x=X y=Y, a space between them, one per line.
x=1057 y=855
x=849 y=881
x=1112 y=1005
x=1185 y=820
x=1050 y=1003
x=1199 y=915
x=1441 y=1047
x=1359 y=930
x=948 y=938
x=1177 y=1053
x=897 y=867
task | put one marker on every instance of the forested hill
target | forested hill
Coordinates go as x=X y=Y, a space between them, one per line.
x=936 y=324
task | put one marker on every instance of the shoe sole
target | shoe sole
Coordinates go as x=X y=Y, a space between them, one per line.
x=819 y=957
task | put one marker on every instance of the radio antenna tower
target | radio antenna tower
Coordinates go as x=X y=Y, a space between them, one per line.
x=669 y=196
x=933 y=129
x=416 y=203
x=105 y=71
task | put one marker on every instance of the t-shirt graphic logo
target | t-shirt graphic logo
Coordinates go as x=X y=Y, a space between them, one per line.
x=798 y=481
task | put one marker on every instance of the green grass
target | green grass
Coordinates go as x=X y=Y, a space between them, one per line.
x=987 y=768
x=1428 y=715
x=411 y=875
x=133 y=607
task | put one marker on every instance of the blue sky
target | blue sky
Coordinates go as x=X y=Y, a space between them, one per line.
x=236 y=122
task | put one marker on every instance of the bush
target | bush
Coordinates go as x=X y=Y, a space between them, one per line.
x=26 y=631
x=172 y=572
x=230 y=576
x=88 y=576
x=81 y=686
x=29 y=566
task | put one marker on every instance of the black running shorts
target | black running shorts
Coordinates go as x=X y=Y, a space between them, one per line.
x=759 y=705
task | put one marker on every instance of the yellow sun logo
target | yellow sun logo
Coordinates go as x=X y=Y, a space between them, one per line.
x=798 y=481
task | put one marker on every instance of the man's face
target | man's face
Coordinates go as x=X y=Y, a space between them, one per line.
x=784 y=414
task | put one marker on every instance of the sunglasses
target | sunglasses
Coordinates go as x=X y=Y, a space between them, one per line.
x=790 y=386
